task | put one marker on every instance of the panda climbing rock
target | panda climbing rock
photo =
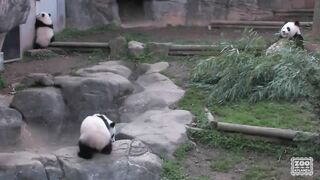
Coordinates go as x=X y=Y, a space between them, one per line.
x=290 y=32
x=97 y=133
x=44 y=30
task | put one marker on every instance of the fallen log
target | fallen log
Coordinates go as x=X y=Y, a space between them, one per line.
x=79 y=45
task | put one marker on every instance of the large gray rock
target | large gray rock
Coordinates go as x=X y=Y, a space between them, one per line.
x=43 y=107
x=116 y=67
x=5 y=100
x=10 y=126
x=129 y=160
x=147 y=115
x=162 y=130
x=83 y=14
x=136 y=49
x=13 y=13
x=118 y=47
x=99 y=93
x=162 y=86
x=38 y=79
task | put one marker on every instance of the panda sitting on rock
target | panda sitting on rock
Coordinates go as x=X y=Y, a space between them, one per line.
x=290 y=32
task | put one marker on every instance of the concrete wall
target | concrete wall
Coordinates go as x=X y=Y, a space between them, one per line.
x=27 y=30
x=57 y=10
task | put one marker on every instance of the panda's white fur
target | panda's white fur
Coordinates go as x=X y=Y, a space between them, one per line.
x=97 y=132
x=290 y=29
x=44 y=30
x=289 y=32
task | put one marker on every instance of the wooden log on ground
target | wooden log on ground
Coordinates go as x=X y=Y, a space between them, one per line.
x=265 y=131
x=80 y=44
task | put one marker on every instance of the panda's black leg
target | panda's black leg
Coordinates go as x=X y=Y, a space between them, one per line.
x=107 y=149
x=52 y=39
x=36 y=46
x=85 y=151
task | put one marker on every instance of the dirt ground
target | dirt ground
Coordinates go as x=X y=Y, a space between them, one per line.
x=201 y=160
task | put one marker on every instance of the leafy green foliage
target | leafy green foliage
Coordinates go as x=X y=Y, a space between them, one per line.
x=75 y=33
x=236 y=142
x=236 y=75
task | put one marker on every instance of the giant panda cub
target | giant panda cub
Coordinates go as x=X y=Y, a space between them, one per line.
x=44 y=30
x=290 y=31
x=97 y=133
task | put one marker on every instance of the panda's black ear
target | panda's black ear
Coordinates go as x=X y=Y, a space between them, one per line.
x=297 y=23
x=49 y=14
x=112 y=124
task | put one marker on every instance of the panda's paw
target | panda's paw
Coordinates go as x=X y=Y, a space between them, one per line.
x=107 y=149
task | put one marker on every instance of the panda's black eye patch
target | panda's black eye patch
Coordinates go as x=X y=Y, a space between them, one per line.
x=288 y=28
x=42 y=15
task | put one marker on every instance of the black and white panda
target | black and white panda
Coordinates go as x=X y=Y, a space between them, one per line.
x=97 y=133
x=291 y=30
x=44 y=30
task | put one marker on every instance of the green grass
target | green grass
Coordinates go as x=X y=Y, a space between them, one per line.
x=136 y=36
x=238 y=143
x=270 y=114
x=194 y=101
x=226 y=163
x=261 y=173
x=183 y=150
x=173 y=171
x=70 y=33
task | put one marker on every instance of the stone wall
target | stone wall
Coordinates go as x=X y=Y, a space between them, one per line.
x=83 y=14
x=12 y=13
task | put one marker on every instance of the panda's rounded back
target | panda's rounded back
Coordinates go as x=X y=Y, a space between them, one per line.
x=94 y=132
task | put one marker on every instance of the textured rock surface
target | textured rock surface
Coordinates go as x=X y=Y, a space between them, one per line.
x=277 y=46
x=118 y=47
x=38 y=79
x=84 y=14
x=101 y=92
x=147 y=114
x=116 y=67
x=129 y=160
x=13 y=13
x=41 y=106
x=136 y=48
x=10 y=126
